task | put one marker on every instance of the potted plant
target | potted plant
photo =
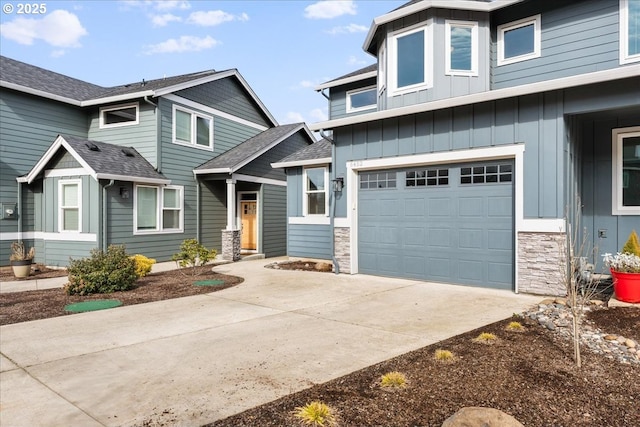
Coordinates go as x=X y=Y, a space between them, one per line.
x=625 y=270
x=21 y=259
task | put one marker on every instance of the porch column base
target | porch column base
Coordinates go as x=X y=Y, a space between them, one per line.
x=342 y=248
x=231 y=245
x=541 y=259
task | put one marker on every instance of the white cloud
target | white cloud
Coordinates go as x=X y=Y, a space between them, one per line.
x=164 y=19
x=355 y=61
x=157 y=4
x=58 y=53
x=319 y=115
x=293 y=117
x=348 y=29
x=328 y=9
x=214 y=17
x=60 y=28
x=183 y=44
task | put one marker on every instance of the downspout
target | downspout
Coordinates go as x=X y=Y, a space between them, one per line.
x=328 y=99
x=104 y=214
x=332 y=214
x=198 y=190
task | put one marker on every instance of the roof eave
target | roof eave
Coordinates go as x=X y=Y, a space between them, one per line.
x=39 y=93
x=137 y=179
x=117 y=98
x=210 y=171
x=347 y=80
x=296 y=163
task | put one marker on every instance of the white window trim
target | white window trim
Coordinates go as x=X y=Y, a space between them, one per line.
x=535 y=20
x=305 y=202
x=103 y=110
x=616 y=178
x=194 y=115
x=625 y=58
x=474 y=47
x=61 y=184
x=350 y=109
x=159 y=208
x=382 y=66
x=392 y=74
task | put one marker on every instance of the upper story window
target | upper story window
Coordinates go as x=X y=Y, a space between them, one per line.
x=409 y=60
x=158 y=209
x=191 y=128
x=626 y=171
x=315 y=198
x=519 y=40
x=122 y=115
x=361 y=99
x=629 y=31
x=70 y=205
x=461 y=38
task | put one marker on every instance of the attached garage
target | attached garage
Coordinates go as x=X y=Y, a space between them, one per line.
x=444 y=223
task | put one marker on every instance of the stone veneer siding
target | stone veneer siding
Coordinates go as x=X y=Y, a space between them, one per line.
x=342 y=248
x=231 y=245
x=540 y=256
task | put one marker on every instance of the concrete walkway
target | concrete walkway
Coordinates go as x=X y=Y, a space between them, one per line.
x=193 y=360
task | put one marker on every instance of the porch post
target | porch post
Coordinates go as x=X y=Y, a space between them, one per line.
x=231 y=204
x=231 y=235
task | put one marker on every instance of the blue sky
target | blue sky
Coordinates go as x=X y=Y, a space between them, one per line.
x=282 y=48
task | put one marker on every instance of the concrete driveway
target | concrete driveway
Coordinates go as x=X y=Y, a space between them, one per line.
x=193 y=360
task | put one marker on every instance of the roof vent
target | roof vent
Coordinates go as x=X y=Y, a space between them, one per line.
x=127 y=152
x=91 y=146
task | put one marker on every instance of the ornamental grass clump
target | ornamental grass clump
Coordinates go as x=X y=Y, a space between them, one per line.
x=393 y=380
x=515 y=327
x=443 y=356
x=315 y=414
x=486 y=338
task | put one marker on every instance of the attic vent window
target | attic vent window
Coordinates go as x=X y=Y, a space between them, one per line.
x=91 y=146
x=127 y=152
x=122 y=115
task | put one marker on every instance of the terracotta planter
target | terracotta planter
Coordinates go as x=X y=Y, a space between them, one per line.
x=21 y=268
x=626 y=286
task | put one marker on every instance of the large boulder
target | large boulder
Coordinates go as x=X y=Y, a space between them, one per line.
x=474 y=416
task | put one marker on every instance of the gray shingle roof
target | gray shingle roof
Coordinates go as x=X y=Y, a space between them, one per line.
x=249 y=148
x=116 y=160
x=318 y=150
x=367 y=69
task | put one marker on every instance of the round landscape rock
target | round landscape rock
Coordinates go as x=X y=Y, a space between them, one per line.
x=475 y=416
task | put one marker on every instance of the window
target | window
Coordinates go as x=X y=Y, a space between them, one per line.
x=629 y=31
x=122 y=115
x=378 y=180
x=489 y=174
x=191 y=128
x=69 y=205
x=626 y=171
x=361 y=99
x=519 y=41
x=462 y=42
x=316 y=201
x=158 y=209
x=429 y=177
x=409 y=65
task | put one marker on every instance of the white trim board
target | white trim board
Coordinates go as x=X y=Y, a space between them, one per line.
x=48 y=236
x=345 y=80
x=310 y=162
x=258 y=180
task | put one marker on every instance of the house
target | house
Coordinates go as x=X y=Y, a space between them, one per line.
x=147 y=165
x=463 y=148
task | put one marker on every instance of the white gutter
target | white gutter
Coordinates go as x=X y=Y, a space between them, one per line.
x=127 y=178
x=492 y=95
x=39 y=93
x=309 y=162
x=351 y=79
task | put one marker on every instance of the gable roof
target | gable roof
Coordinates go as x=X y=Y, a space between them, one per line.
x=318 y=153
x=38 y=81
x=240 y=155
x=363 y=73
x=101 y=161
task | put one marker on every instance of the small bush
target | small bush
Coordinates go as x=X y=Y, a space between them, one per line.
x=102 y=272
x=143 y=264
x=193 y=254
x=443 y=356
x=315 y=414
x=515 y=326
x=486 y=338
x=393 y=380
x=633 y=245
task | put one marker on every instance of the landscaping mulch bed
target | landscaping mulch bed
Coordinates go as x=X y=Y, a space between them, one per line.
x=38 y=271
x=32 y=305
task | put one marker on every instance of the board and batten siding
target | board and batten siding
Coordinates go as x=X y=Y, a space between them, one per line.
x=576 y=38
x=261 y=166
x=142 y=136
x=338 y=98
x=274 y=220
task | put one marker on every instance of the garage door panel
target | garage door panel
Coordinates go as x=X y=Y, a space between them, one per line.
x=367 y=235
x=414 y=208
x=414 y=236
x=439 y=237
x=414 y=266
x=500 y=240
x=439 y=207
x=471 y=207
x=500 y=275
x=500 y=207
x=439 y=268
x=470 y=238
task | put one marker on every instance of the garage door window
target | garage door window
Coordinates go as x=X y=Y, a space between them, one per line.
x=427 y=177
x=486 y=174
x=377 y=180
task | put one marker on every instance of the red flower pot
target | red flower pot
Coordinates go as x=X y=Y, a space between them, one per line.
x=626 y=286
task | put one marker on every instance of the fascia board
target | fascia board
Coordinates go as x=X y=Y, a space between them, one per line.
x=136 y=179
x=346 y=80
x=195 y=82
x=295 y=163
x=492 y=95
x=208 y=171
x=259 y=153
x=48 y=155
x=116 y=98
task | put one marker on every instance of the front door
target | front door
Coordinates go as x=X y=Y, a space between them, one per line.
x=248 y=216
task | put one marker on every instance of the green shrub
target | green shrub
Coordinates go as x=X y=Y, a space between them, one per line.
x=193 y=254
x=315 y=414
x=143 y=264
x=102 y=272
x=633 y=245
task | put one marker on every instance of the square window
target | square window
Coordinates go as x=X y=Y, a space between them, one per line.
x=519 y=41
x=158 y=209
x=626 y=171
x=461 y=38
x=629 y=31
x=191 y=128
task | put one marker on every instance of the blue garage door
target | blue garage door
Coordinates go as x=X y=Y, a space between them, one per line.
x=448 y=223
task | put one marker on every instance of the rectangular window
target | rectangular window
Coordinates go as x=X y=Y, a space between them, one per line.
x=122 y=115
x=377 y=180
x=428 y=177
x=69 y=205
x=158 y=209
x=629 y=31
x=519 y=40
x=462 y=42
x=191 y=128
x=409 y=60
x=361 y=99
x=315 y=191
x=626 y=171
x=489 y=174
